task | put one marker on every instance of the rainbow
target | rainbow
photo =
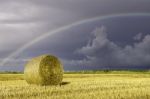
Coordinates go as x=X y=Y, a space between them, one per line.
x=59 y=30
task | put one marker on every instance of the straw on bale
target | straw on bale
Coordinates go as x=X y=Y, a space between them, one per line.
x=44 y=70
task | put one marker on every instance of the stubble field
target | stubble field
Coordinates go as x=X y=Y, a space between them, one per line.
x=79 y=86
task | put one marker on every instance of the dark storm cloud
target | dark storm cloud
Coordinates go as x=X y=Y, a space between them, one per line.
x=27 y=19
x=21 y=21
x=88 y=47
x=106 y=53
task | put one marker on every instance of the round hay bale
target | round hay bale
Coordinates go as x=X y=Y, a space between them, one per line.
x=44 y=70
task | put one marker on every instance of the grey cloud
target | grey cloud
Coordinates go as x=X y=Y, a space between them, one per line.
x=21 y=21
x=139 y=54
x=14 y=62
x=104 y=52
x=17 y=11
x=138 y=36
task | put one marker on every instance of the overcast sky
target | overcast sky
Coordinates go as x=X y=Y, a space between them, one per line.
x=112 y=42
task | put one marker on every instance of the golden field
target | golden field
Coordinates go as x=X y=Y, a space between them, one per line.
x=79 y=86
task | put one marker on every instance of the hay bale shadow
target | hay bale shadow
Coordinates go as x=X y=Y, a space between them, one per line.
x=65 y=83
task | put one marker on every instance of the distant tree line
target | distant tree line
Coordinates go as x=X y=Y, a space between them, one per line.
x=11 y=72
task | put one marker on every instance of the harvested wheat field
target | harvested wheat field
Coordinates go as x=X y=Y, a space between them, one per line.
x=79 y=86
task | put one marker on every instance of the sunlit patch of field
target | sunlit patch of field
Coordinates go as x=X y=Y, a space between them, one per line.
x=79 y=86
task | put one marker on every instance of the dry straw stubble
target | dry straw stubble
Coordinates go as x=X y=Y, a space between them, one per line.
x=44 y=70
